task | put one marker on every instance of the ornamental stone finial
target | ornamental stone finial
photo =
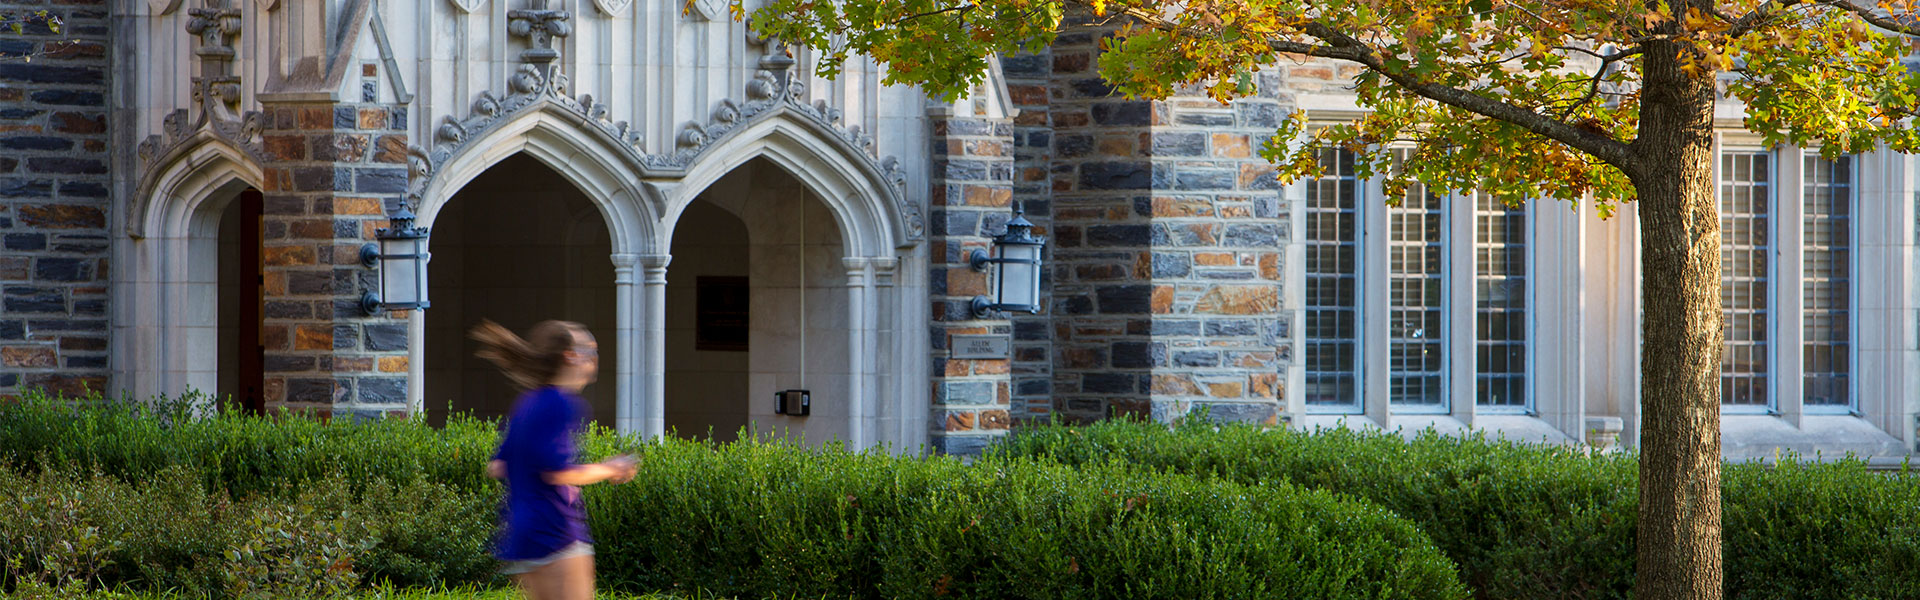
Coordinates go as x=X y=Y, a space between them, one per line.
x=540 y=26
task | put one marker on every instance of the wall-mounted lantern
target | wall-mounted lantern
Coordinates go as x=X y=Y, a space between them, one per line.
x=1016 y=287
x=402 y=258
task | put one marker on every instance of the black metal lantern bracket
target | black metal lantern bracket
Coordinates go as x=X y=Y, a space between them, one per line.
x=372 y=256
x=1017 y=233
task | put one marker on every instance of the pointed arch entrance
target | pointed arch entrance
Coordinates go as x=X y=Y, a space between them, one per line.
x=517 y=245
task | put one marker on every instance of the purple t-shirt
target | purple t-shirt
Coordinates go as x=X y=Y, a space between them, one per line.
x=540 y=518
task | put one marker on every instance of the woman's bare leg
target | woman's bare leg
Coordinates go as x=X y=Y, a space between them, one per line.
x=569 y=578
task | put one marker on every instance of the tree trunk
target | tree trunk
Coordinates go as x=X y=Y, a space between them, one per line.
x=1679 y=528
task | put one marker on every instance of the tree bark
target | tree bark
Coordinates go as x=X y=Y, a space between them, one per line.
x=1679 y=527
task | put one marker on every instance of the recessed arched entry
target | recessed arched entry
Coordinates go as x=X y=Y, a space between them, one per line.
x=757 y=301
x=517 y=245
x=194 y=260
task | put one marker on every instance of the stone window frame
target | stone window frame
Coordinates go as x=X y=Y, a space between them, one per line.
x=1556 y=394
x=1786 y=304
x=1881 y=315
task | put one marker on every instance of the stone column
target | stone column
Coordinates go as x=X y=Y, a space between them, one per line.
x=972 y=180
x=653 y=413
x=627 y=344
x=859 y=291
x=334 y=172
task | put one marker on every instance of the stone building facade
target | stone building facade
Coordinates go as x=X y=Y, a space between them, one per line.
x=730 y=226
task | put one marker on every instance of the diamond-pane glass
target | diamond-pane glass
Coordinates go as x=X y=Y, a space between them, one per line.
x=1745 y=197
x=1332 y=337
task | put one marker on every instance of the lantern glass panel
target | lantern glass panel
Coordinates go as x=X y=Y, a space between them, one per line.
x=1019 y=276
x=398 y=271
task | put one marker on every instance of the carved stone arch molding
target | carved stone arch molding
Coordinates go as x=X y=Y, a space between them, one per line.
x=528 y=90
x=772 y=93
x=468 y=6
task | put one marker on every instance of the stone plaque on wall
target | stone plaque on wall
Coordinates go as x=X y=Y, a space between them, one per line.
x=981 y=346
x=720 y=314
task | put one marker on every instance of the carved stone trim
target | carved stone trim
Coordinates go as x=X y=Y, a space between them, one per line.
x=612 y=7
x=529 y=90
x=468 y=6
x=769 y=93
x=711 y=10
x=216 y=93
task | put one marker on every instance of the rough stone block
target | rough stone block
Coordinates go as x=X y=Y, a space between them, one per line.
x=1123 y=114
x=1107 y=383
x=29 y=357
x=383 y=337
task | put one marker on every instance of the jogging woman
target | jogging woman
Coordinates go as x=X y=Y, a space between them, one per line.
x=544 y=542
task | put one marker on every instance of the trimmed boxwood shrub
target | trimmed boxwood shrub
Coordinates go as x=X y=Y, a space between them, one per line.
x=175 y=502
x=758 y=519
x=1532 y=521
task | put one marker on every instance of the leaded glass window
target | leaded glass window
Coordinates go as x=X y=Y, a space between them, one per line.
x=1416 y=288
x=1332 y=280
x=1826 y=325
x=1745 y=197
x=1500 y=311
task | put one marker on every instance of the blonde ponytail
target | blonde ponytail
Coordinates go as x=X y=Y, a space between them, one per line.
x=532 y=361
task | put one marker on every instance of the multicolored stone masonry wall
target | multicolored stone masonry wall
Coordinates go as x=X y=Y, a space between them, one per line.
x=54 y=200
x=971 y=201
x=336 y=171
x=1167 y=247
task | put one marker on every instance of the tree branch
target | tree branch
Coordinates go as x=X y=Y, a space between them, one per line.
x=1344 y=47
x=1908 y=25
x=1341 y=46
x=964 y=8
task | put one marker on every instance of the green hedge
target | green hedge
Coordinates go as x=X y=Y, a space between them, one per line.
x=1531 y=521
x=292 y=504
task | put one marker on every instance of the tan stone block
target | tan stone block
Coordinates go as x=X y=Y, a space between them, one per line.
x=391 y=149
x=310 y=229
x=989 y=196
x=1081 y=358
x=956 y=368
x=1116 y=146
x=313 y=337
x=284 y=256
x=975 y=330
x=1310 y=72
x=315 y=117
x=1003 y=393
x=966 y=282
x=986 y=148
x=1207 y=234
x=1213 y=259
x=358 y=206
x=276 y=390
x=1264 y=385
x=1235 y=212
x=285 y=147
x=1226 y=389
x=1162 y=299
x=960 y=421
x=1174 y=385
x=29 y=357
x=373 y=118
x=1270 y=266
x=393 y=364
x=1254 y=172
x=1181 y=207
x=994 y=420
x=1254 y=360
x=1143 y=266
x=1239 y=300
x=992 y=367
x=350 y=147
x=62 y=216
x=1231 y=145
x=274 y=283
x=353 y=364
x=16 y=268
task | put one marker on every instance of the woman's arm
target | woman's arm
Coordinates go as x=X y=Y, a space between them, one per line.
x=617 y=470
